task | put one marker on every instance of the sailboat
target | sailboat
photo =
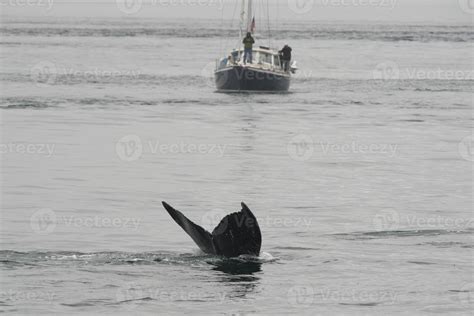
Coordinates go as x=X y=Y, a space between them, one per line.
x=266 y=71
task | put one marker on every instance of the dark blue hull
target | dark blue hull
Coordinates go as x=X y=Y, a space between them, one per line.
x=240 y=78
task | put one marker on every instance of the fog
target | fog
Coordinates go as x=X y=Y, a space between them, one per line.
x=381 y=11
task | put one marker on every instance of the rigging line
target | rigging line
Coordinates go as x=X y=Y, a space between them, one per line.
x=268 y=24
x=241 y=22
x=242 y=17
x=262 y=16
x=236 y=43
x=221 y=40
x=230 y=27
x=262 y=20
x=259 y=5
x=232 y=22
x=277 y=16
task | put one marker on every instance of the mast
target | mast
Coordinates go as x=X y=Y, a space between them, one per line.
x=249 y=16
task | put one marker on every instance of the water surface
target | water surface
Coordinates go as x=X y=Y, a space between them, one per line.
x=360 y=176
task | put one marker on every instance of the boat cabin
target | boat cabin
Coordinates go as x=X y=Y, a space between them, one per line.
x=262 y=57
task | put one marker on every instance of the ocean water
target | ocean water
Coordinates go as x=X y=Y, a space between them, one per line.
x=360 y=176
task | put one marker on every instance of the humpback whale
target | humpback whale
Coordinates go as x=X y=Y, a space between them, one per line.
x=237 y=233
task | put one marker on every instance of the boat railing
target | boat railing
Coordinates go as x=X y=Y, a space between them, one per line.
x=269 y=61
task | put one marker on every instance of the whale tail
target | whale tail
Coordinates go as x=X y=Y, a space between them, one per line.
x=237 y=233
x=200 y=236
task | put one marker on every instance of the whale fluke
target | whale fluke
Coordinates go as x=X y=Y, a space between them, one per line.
x=200 y=236
x=237 y=233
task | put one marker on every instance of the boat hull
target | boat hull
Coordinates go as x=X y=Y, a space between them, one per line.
x=240 y=78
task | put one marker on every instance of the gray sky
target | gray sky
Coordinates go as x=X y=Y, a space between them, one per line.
x=433 y=11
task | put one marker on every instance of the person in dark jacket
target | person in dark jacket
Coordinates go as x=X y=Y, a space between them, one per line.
x=248 y=46
x=285 y=56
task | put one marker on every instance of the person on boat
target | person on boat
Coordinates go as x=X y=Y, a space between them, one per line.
x=285 y=56
x=235 y=56
x=224 y=62
x=248 y=46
